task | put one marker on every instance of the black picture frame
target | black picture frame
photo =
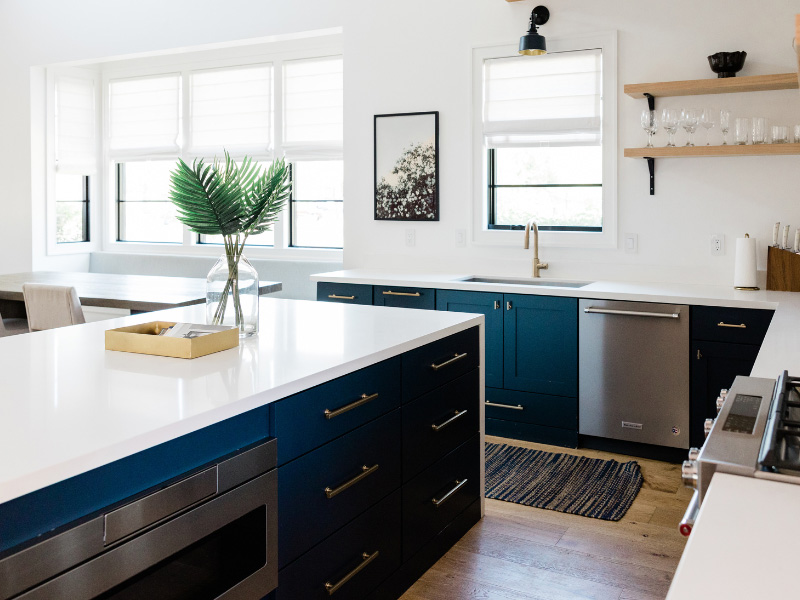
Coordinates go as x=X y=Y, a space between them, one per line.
x=403 y=140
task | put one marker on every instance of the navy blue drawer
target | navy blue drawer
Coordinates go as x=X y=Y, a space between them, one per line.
x=434 y=364
x=514 y=430
x=439 y=422
x=309 y=419
x=423 y=519
x=404 y=297
x=377 y=530
x=525 y=407
x=737 y=325
x=349 y=293
x=307 y=514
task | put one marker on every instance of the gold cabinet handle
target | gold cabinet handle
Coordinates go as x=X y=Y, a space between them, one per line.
x=366 y=558
x=391 y=293
x=437 y=502
x=457 y=356
x=365 y=472
x=511 y=406
x=329 y=414
x=334 y=296
x=721 y=324
x=458 y=414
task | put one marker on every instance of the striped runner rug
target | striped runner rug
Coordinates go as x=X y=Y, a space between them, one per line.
x=591 y=487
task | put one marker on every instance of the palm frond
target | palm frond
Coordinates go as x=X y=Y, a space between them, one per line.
x=269 y=194
x=208 y=198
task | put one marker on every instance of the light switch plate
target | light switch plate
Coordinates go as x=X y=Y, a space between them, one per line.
x=630 y=241
x=411 y=237
x=461 y=238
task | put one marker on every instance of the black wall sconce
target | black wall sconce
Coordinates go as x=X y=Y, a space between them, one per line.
x=532 y=43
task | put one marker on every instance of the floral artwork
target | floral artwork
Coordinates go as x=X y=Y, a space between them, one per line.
x=407 y=167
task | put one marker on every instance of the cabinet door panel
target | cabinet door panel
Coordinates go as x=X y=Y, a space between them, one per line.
x=714 y=366
x=541 y=344
x=346 y=293
x=404 y=297
x=489 y=305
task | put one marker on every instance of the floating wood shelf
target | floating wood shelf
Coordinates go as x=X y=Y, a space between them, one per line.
x=727 y=85
x=729 y=150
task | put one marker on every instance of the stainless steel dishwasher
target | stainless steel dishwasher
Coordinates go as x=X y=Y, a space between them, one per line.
x=634 y=371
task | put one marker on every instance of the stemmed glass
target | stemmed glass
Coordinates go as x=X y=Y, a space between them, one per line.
x=724 y=125
x=650 y=125
x=707 y=122
x=690 y=117
x=670 y=119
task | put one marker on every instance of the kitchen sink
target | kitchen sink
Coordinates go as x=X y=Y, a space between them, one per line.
x=530 y=281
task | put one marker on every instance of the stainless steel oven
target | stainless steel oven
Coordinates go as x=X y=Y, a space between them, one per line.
x=211 y=534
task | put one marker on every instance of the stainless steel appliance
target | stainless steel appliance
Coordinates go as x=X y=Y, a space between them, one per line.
x=756 y=434
x=634 y=372
x=211 y=534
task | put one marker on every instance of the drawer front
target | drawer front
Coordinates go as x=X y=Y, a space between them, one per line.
x=309 y=419
x=341 y=558
x=737 y=325
x=525 y=407
x=434 y=364
x=404 y=297
x=433 y=498
x=439 y=422
x=307 y=513
x=348 y=293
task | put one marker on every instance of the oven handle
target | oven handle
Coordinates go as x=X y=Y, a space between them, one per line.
x=138 y=554
x=631 y=313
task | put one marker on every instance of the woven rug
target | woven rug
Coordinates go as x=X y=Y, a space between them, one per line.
x=591 y=487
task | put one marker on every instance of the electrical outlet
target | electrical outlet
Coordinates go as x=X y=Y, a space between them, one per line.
x=717 y=244
x=461 y=238
x=631 y=243
x=411 y=237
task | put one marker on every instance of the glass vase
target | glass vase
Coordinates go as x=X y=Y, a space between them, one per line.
x=232 y=294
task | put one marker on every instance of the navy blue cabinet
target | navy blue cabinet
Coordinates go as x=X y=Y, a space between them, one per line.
x=346 y=293
x=404 y=297
x=490 y=305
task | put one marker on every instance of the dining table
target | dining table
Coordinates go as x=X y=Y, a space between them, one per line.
x=137 y=293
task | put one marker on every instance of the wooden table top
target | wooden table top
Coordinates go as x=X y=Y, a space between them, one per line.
x=141 y=293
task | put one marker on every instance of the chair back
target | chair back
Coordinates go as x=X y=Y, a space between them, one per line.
x=51 y=306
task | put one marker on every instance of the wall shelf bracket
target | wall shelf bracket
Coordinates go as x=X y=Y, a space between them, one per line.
x=651 y=101
x=651 y=165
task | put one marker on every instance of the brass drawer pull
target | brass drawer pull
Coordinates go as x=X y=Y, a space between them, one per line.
x=458 y=414
x=511 y=406
x=366 y=558
x=721 y=324
x=365 y=472
x=458 y=356
x=438 y=502
x=391 y=293
x=335 y=297
x=329 y=414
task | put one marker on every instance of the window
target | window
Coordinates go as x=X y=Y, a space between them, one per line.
x=316 y=205
x=144 y=211
x=546 y=143
x=72 y=208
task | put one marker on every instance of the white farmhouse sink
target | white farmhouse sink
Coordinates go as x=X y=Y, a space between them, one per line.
x=526 y=281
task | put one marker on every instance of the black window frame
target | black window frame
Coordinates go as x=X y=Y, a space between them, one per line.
x=292 y=202
x=118 y=200
x=85 y=220
x=491 y=194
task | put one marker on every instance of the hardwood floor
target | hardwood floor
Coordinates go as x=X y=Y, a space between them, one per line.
x=523 y=553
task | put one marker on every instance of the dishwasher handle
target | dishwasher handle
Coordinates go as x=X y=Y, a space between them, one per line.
x=631 y=313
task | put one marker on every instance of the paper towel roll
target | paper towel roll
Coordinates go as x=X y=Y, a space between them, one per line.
x=745 y=274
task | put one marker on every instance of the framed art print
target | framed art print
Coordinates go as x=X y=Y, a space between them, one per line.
x=407 y=167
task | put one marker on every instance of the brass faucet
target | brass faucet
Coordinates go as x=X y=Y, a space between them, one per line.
x=537 y=264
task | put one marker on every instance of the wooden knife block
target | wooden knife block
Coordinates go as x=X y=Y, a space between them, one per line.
x=783 y=270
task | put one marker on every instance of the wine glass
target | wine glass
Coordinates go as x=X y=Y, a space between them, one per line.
x=690 y=117
x=724 y=125
x=670 y=119
x=707 y=122
x=650 y=125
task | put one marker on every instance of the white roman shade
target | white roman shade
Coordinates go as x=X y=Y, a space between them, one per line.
x=313 y=108
x=232 y=108
x=75 y=119
x=550 y=100
x=144 y=115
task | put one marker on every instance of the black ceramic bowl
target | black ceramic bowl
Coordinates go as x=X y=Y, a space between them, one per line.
x=727 y=64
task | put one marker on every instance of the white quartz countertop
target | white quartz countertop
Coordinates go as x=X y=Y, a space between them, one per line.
x=743 y=545
x=67 y=405
x=780 y=350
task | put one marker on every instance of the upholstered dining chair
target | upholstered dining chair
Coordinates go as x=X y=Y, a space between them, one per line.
x=51 y=306
x=12 y=326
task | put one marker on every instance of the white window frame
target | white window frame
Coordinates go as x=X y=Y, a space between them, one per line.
x=481 y=234
x=275 y=54
x=95 y=180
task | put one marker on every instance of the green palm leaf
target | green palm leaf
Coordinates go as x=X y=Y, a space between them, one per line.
x=267 y=198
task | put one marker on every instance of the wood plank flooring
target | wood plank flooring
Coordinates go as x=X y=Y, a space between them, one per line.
x=522 y=553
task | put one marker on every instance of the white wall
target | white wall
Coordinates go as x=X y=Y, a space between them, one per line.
x=416 y=55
